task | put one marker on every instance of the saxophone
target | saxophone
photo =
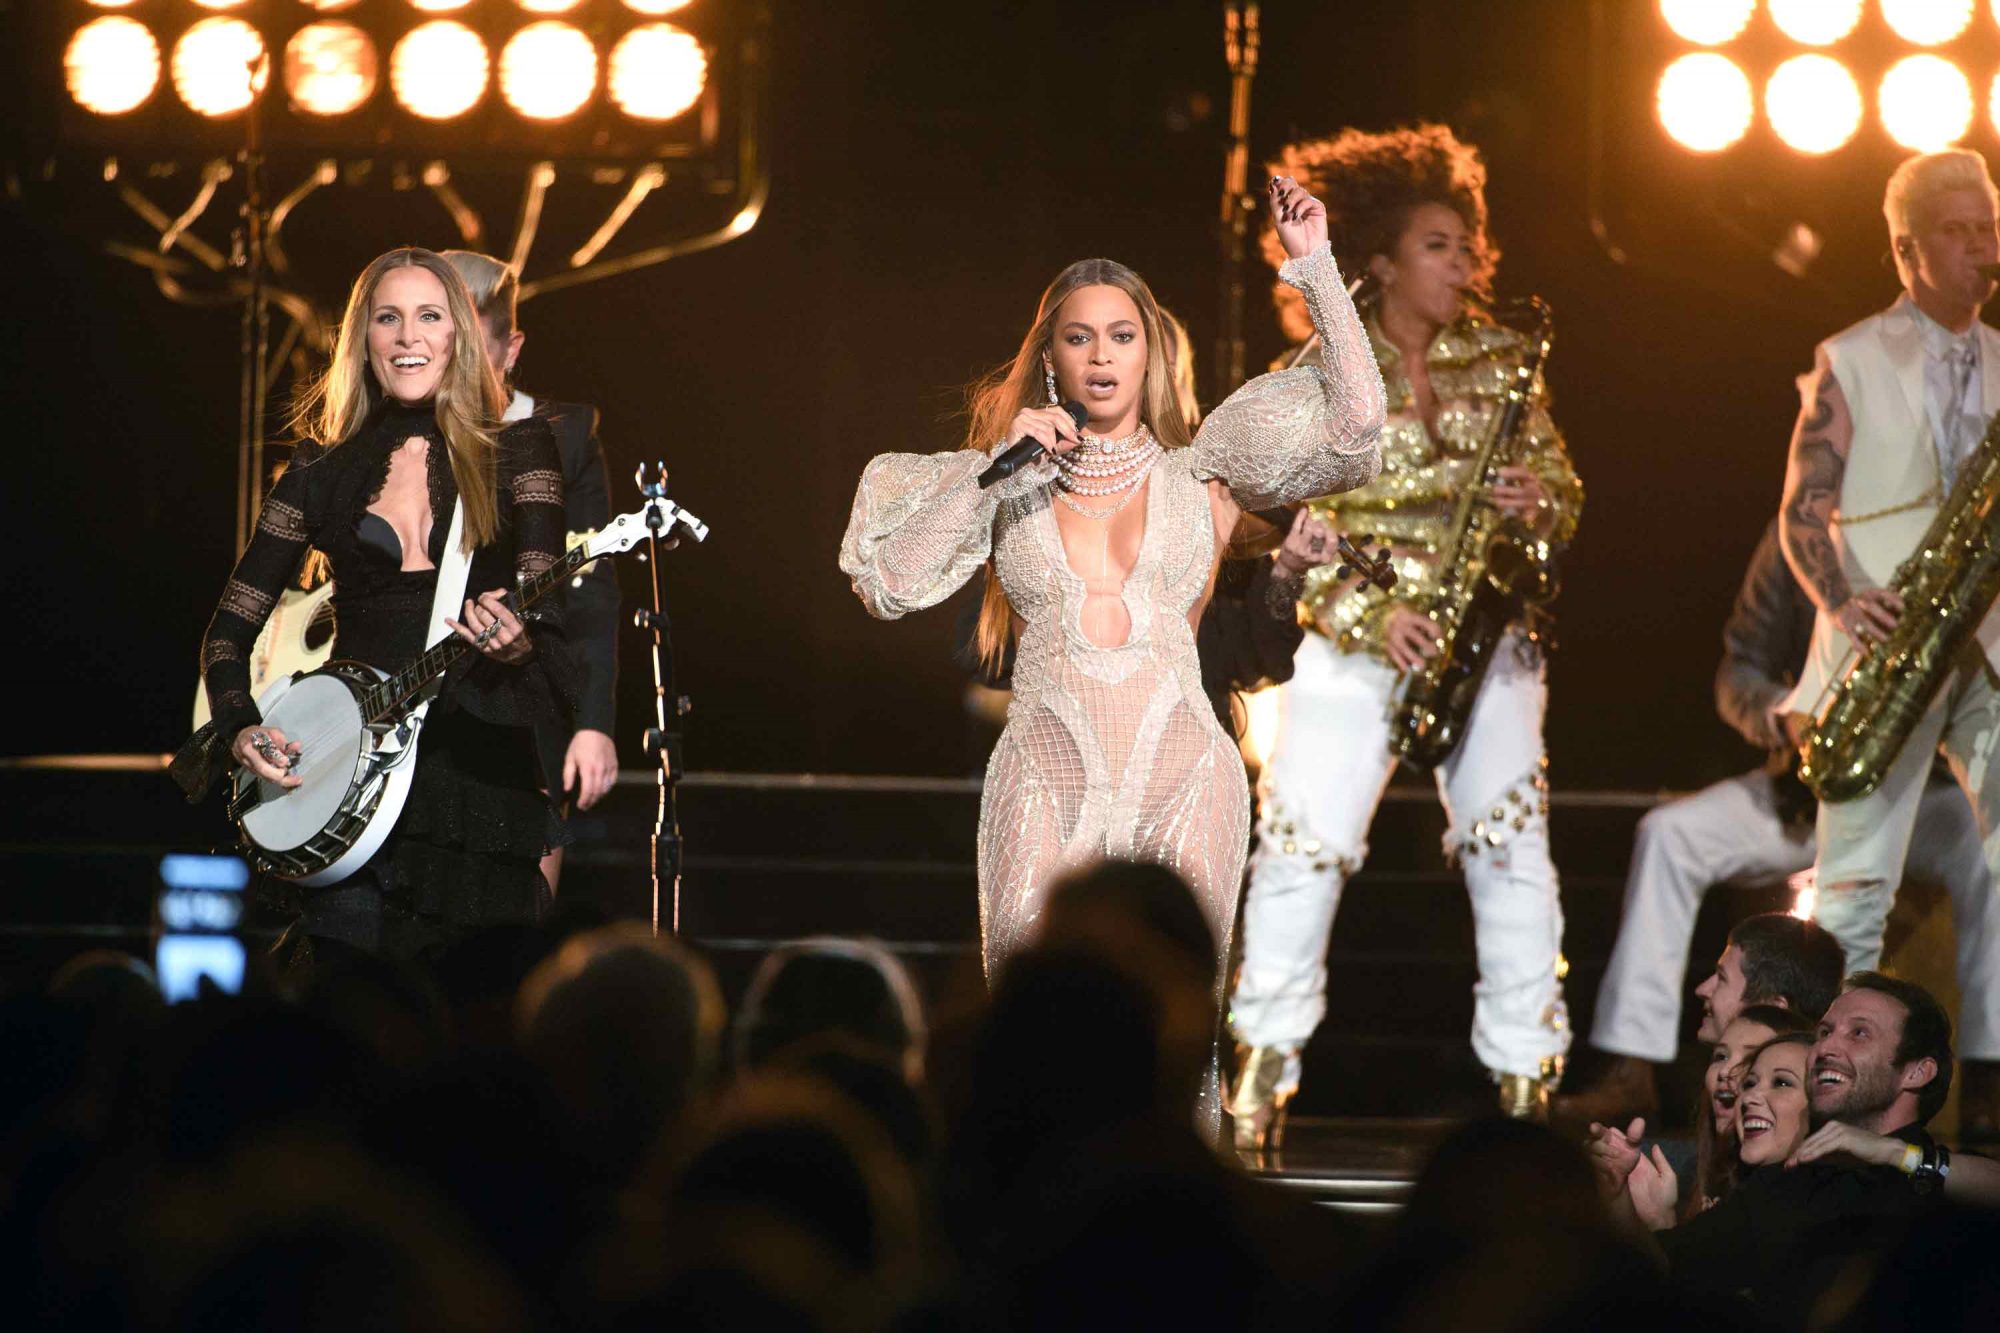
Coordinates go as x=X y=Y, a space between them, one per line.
x=1948 y=585
x=1494 y=566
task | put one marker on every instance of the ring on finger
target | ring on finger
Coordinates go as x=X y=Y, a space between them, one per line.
x=486 y=635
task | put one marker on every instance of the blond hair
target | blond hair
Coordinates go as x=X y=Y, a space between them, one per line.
x=495 y=287
x=993 y=400
x=469 y=399
x=1919 y=180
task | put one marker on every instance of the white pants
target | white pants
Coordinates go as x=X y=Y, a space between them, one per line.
x=1321 y=788
x=1731 y=832
x=1864 y=843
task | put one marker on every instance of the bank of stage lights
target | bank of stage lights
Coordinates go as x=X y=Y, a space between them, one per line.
x=1812 y=100
x=438 y=67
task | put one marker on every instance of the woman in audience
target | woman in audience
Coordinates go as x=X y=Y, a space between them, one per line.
x=1771 y=1117
x=1715 y=1118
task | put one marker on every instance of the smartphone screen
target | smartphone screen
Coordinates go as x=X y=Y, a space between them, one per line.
x=201 y=905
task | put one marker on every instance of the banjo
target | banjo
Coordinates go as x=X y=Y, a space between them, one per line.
x=357 y=728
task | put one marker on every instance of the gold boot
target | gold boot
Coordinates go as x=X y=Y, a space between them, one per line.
x=1257 y=1103
x=1524 y=1097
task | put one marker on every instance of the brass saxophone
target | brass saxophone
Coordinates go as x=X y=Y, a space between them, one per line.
x=1494 y=566
x=1948 y=585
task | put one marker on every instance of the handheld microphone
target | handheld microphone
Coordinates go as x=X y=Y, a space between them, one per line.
x=1021 y=451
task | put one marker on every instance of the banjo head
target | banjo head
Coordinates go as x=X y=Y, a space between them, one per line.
x=322 y=714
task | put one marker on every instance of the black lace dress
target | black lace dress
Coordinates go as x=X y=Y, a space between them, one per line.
x=466 y=850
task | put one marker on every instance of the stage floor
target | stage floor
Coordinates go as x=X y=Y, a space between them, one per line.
x=1358 y=1164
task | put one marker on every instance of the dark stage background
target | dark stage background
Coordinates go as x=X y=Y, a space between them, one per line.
x=935 y=164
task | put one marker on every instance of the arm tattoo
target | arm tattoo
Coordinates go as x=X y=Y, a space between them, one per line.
x=1812 y=495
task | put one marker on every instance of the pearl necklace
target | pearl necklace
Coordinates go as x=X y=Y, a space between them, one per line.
x=1105 y=467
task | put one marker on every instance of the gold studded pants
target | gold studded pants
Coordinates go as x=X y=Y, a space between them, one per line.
x=1320 y=791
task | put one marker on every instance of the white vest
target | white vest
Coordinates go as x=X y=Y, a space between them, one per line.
x=1891 y=463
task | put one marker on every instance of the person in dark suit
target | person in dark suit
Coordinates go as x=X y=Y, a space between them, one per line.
x=580 y=764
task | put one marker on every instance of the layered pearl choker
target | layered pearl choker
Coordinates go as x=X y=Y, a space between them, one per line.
x=1101 y=467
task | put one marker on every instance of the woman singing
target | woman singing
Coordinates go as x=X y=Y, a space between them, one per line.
x=1409 y=210
x=1100 y=558
x=405 y=425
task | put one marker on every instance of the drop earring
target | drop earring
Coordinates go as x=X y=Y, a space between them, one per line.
x=1049 y=379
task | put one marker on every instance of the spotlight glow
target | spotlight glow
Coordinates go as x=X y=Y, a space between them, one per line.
x=219 y=66
x=1813 y=103
x=1707 y=22
x=1927 y=22
x=657 y=72
x=220 y=4
x=330 y=68
x=1704 y=102
x=655 y=8
x=1926 y=103
x=438 y=6
x=548 y=70
x=113 y=4
x=1816 y=22
x=332 y=6
x=439 y=70
x=112 y=65
x=547 y=6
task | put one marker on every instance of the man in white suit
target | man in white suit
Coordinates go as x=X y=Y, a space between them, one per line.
x=1892 y=410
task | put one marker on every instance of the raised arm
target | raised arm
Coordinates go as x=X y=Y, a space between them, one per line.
x=1316 y=429
x=1813 y=476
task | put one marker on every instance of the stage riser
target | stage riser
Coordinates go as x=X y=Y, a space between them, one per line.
x=765 y=866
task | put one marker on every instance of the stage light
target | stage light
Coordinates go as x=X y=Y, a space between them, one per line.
x=331 y=6
x=548 y=70
x=112 y=65
x=1927 y=22
x=657 y=72
x=439 y=70
x=1813 y=103
x=1816 y=22
x=113 y=4
x=220 y=4
x=219 y=66
x=1704 y=102
x=1707 y=22
x=438 y=6
x=655 y=8
x=330 y=68
x=1926 y=103
x=547 y=6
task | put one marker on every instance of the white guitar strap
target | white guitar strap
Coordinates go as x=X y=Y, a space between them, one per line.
x=454 y=572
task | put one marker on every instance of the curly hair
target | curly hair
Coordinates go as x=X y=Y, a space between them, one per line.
x=1371 y=183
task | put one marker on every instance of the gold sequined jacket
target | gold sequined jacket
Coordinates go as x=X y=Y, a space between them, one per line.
x=1409 y=506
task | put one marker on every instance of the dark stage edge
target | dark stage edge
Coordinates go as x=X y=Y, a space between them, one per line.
x=1363 y=1165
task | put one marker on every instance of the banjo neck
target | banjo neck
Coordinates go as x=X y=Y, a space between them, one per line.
x=388 y=701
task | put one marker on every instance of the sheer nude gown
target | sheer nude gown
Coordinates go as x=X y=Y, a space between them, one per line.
x=1114 y=751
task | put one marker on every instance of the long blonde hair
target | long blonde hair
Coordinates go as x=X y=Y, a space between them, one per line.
x=994 y=399
x=469 y=399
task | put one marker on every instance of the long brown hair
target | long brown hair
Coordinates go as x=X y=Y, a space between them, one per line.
x=993 y=400
x=469 y=399
x=1717 y=1165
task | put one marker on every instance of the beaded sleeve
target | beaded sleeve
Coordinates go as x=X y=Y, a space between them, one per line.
x=1313 y=430
x=921 y=526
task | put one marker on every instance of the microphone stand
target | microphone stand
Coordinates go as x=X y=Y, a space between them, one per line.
x=665 y=521
x=1239 y=47
x=255 y=343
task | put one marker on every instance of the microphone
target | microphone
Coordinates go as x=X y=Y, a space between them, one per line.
x=1018 y=453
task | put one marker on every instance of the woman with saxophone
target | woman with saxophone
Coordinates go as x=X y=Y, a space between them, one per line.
x=1407 y=209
